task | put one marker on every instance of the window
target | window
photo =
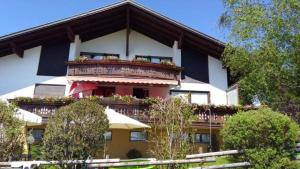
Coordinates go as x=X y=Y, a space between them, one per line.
x=37 y=134
x=108 y=136
x=137 y=136
x=99 y=56
x=197 y=97
x=154 y=59
x=201 y=138
x=140 y=93
x=46 y=90
x=104 y=91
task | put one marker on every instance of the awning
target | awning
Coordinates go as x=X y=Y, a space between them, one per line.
x=120 y=121
x=122 y=80
x=28 y=117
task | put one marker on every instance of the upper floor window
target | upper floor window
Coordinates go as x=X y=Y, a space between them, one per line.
x=100 y=56
x=46 y=90
x=154 y=59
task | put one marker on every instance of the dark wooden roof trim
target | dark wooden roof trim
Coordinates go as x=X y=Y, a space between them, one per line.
x=16 y=49
x=111 y=18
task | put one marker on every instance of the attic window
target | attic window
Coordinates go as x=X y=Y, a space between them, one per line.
x=100 y=56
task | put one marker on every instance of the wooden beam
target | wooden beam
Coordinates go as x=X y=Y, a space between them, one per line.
x=70 y=33
x=16 y=49
x=127 y=30
x=180 y=41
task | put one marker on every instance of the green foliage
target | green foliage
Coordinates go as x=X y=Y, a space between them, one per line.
x=36 y=152
x=267 y=137
x=171 y=124
x=263 y=53
x=11 y=142
x=75 y=131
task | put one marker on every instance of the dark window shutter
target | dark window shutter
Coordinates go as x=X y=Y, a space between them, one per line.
x=52 y=59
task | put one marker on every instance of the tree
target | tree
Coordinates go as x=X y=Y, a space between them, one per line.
x=171 y=125
x=11 y=135
x=263 y=53
x=75 y=131
x=268 y=138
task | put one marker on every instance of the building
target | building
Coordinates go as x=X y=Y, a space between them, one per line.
x=123 y=49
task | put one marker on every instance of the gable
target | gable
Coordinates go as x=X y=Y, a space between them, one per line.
x=115 y=43
x=103 y=21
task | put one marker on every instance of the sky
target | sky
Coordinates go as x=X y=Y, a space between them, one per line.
x=17 y=15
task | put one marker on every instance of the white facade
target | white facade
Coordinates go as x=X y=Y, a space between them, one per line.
x=139 y=44
x=19 y=75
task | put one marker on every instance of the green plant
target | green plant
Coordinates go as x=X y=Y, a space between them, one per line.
x=152 y=100
x=267 y=138
x=171 y=123
x=133 y=153
x=142 y=60
x=110 y=58
x=166 y=62
x=11 y=133
x=80 y=58
x=75 y=131
x=263 y=51
x=36 y=152
x=127 y=98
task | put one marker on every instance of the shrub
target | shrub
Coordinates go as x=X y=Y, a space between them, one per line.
x=133 y=153
x=267 y=138
x=171 y=122
x=75 y=131
x=11 y=137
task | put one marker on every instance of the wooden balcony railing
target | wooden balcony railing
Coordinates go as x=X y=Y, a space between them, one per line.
x=118 y=68
x=136 y=109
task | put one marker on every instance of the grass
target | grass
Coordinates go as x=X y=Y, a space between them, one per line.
x=219 y=161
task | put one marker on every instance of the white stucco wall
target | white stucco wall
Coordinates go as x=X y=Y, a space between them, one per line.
x=217 y=85
x=139 y=44
x=233 y=95
x=18 y=75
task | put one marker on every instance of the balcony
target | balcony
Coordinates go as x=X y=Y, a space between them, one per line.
x=137 y=109
x=125 y=69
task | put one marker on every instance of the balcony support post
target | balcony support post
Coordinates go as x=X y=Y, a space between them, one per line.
x=127 y=30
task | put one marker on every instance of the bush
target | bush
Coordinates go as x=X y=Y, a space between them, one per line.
x=11 y=135
x=267 y=137
x=75 y=131
x=133 y=153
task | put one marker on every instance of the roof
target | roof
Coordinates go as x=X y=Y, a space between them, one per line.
x=107 y=20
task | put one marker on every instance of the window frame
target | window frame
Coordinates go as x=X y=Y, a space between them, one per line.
x=139 y=140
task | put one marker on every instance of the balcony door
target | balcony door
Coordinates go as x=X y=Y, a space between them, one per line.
x=104 y=91
x=140 y=93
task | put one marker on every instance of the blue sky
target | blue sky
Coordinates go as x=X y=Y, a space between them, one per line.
x=16 y=15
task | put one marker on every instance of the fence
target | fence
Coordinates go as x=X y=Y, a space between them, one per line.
x=105 y=163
